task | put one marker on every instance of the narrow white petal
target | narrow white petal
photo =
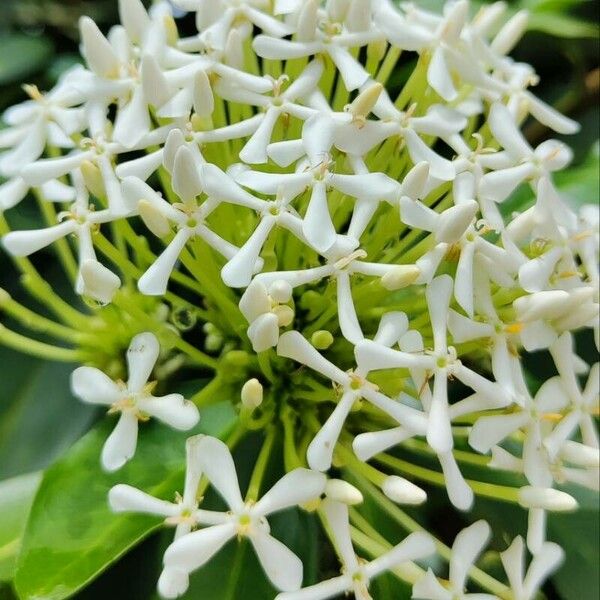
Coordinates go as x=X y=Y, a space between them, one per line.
x=506 y=132
x=173 y=583
x=320 y=451
x=12 y=192
x=97 y=50
x=367 y=445
x=93 y=386
x=294 y=488
x=467 y=546
x=416 y=546
x=133 y=120
x=121 y=443
x=273 y=48
x=317 y=137
x=191 y=551
x=544 y=563
x=320 y=591
x=255 y=150
x=292 y=344
x=438 y=294
x=371 y=356
x=454 y=222
x=264 y=332
x=142 y=355
x=220 y=186
x=489 y=431
x=125 y=498
x=317 y=225
x=338 y=520
x=186 y=178
x=218 y=466
x=349 y=325
x=283 y=568
x=173 y=409
x=155 y=280
x=459 y=492
x=24 y=243
x=429 y=588
x=438 y=76
x=439 y=431
x=351 y=71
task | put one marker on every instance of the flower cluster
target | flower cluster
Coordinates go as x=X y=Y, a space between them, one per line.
x=265 y=176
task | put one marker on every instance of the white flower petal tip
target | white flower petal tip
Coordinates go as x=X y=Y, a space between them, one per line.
x=173 y=582
x=402 y=491
x=339 y=490
x=547 y=499
x=99 y=283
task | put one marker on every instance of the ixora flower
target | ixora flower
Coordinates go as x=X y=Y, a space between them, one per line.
x=331 y=256
x=244 y=519
x=133 y=400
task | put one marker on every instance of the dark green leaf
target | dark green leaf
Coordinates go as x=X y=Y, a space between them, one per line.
x=16 y=498
x=39 y=418
x=71 y=535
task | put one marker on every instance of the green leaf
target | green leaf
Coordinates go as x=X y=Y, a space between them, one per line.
x=22 y=55
x=39 y=418
x=16 y=498
x=71 y=535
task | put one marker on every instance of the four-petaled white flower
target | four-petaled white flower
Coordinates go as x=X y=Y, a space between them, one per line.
x=133 y=400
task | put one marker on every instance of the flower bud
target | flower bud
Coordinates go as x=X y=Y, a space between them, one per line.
x=402 y=491
x=252 y=394
x=153 y=219
x=237 y=358
x=284 y=314
x=93 y=179
x=400 y=276
x=546 y=498
x=342 y=491
x=363 y=104
x=321 y=339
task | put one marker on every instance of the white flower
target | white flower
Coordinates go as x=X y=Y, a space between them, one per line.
x=525 y=586
x=352 y=386
x=133 y=400
x=183 y=514
x=356 y=573
x=245 y=519
x=467 y=547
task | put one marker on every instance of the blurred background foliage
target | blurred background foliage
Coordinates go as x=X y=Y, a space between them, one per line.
x=40 y=421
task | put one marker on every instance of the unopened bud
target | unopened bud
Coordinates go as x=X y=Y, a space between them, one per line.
x=342 y=491
x=237 y=358
x=402 y=491
x=363 y=104
x=400 y=276
x=153 y=219
x=321 y=339
x=252 y=394
x=546 y=498
x=284 y=314
x=93 y=179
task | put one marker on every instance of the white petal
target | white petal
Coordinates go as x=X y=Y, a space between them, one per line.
x=133 y=120
x=349 y=325
x=293 y=345
x=238 y=271
x=283 y=568
x=125 y=498
x=320 y=591
x=372 y=357
x=453 y=223
x=273 y=48
x=191 y=551
x=392 y=327
x=438 y=76
x=377 y=186
x=317 y=137
x=142 y=355
x=155 y=85
x=439 y=431
x=464 y=329
x=12 y=192
x=544 y=563
x=141 y=167
x=219 y=185
x=172 y=409
x=264 y=332
x=489 y=431
x=338 y=520
x=99 y=282
x=320 y=451
x=186 y=178
x=255 y=150
x=294 y=488
x=415 y=546
x=218 y=466
x=463 y=285
x=419 y=151
x=97 y=50
x=120 y=444
x=254 y=301
x=351 y=71
x=438 y=295
x=155 y=280
x=92 y=385
x=467 y=546
x=173 y=583
x=459 y=492
x=429 y=588
x=367 y=445
x=550 y=117
x=287 y=152
x=416 y=214
x=506 y=132
x=24 y=243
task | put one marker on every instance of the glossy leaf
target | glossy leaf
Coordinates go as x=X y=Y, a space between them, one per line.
x=16 y=498
x=72 y=535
